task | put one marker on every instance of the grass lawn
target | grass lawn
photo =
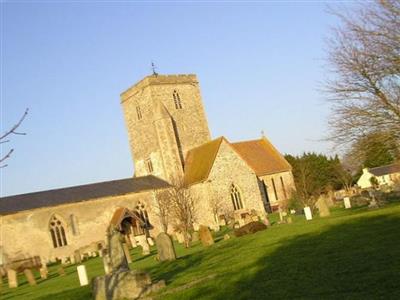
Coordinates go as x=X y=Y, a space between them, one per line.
x=354 y=254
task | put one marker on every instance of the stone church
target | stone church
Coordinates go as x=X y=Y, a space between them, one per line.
x=169 y=139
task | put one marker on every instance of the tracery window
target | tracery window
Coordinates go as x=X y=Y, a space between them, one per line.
x=57 y=233
x=177 y=100
x=236 y=197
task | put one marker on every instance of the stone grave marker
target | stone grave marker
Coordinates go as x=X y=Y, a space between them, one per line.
x=347 y=203
x=12 y=278
x=307 y=212
x=61 y=271
x=127 y=253
x=322 y=207
x=165 y=247
x=77 y=256
x=43 y=272
x=227 y=237
x=29 y=277
x=195 y=236
x=205 y=236
x=82 y=274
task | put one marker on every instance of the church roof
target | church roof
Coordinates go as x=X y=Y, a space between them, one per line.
x=385 y=170
x=262 y=156
x=12 y=204
x=199 y=161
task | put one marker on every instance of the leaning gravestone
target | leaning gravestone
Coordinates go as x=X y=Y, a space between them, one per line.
x=165 y=247
x=347 y=203
x=29 y=277
x=121 y=283
x=322 y=207
x=205 y=236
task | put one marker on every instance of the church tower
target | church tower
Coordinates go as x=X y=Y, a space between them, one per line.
x=165 y=118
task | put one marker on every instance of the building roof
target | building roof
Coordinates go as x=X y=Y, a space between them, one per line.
x=384 y=170
x=199 y=161
x=262 y=156
x=12 y=204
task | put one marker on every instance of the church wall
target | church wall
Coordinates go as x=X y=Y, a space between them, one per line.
x=27 y=233
x=229 y=168
x=282 y=192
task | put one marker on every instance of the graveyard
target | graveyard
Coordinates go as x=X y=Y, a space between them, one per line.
x=353 y=254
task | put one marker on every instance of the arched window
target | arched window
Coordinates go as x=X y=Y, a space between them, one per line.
x=57 y=232
x=141 y=210
x=236 y=198
x=177 y=100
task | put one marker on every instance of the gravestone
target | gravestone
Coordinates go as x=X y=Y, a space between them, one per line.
x=43 y=272
x=82 y=274
x=195 y=236
x=322 y=207
x=121 y=283
x=77 y=256
x=307 y=212
x=289 y=220
x=165 y=247
x=12 y=278
x=29 y=277
x=227 y=237
x=127 y=253
x=150 y=241
x=205 y=236
x=347 y=203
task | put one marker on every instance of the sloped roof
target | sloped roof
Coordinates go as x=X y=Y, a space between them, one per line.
x=262 y=156
x=122 y=213
x=199 y=161
x=79 y=193
x=385 y=170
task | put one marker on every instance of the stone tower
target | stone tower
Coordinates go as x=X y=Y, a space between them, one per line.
x=165 y=118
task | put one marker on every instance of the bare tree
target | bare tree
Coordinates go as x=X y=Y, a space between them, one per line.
x=364 y=60
x=182 y=208
x=4 y=138
x=217 y=207
x=163 y=208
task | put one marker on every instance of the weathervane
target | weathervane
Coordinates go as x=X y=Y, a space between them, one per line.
x=262 y=133
x=153 y=68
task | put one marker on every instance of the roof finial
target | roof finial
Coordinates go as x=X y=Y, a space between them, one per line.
x=153 y=68
x=262 y=134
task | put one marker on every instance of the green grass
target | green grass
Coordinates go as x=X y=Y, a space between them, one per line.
x=354 y=254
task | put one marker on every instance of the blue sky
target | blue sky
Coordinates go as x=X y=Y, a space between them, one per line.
x=260 y=65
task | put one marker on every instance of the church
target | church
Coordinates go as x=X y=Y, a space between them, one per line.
x=169 y=139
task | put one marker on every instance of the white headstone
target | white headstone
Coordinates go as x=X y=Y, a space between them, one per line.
x=150 y=241
x=307 y=212
x=347 y=203
x=83 y=279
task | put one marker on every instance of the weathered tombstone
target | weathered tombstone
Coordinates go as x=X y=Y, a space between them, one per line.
x=77 y=256
x=61 y=271
x=347 y=203
x=133 y=241
x=12 y=278
x=127 y=254
x=165 y=247
x=205 y=236
x=195 y=236
x=43 y=272
x=142 y=241
x=83 y=278
x=289 y=220
x=72 y=259
x=150 y=241
x=106 y=263
x=227 y=237
x=180 y=238
x=322 y=207
x=121 y=283
x=29 y=277
x=307 y=212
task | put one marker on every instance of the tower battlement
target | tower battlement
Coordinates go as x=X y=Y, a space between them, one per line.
x=156 y=80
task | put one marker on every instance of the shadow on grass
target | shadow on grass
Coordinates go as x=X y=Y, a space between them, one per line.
x=356 y=260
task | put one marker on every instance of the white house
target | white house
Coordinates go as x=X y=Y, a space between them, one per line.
x=385 y=175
